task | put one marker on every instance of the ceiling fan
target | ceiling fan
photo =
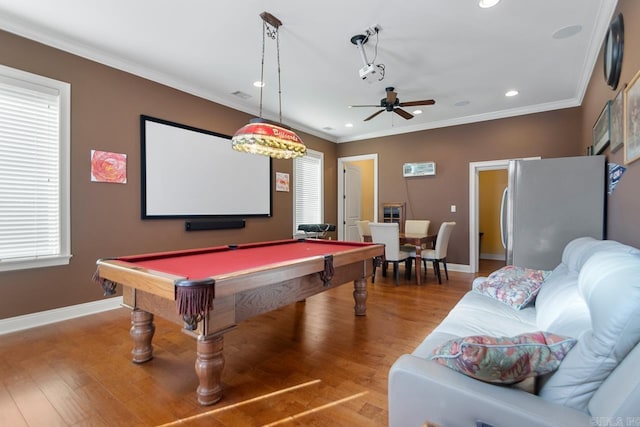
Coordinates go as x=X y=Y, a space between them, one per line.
x=392 y=103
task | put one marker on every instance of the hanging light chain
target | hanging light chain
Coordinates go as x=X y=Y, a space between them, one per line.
x=279 y=85
x=264 y=30
x=270 y=26
x=271 y=30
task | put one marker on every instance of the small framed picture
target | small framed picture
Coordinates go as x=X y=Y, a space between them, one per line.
x=282 y=181
x=617 y=122
x=601 y=130
x=632 y=120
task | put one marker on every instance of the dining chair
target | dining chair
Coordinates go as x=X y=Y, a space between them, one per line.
x=439 y=254
x=417 y=226
x=363 y=229
x=389 y=235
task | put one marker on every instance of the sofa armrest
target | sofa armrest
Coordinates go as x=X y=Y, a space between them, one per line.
x=421 y=390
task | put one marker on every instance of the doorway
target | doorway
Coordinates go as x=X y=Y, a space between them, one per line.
x=474 y=170
x=368 y=165
x=474 y=206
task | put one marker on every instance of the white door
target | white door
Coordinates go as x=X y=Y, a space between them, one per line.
x=352 y=201
x=369 y=183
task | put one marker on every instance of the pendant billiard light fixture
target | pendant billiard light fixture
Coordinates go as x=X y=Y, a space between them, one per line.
x=262 y=136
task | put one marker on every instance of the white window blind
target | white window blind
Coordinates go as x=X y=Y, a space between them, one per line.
x=34 y=184
x=308 y=189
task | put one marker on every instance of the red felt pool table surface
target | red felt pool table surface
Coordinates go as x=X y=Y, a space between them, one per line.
x=206 y=262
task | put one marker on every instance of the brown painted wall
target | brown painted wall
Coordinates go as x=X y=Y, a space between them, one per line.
x=624 y=203
x=106 y=104
x=551 y=134
x=105 y=218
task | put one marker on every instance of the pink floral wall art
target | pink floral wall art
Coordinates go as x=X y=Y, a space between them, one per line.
x=108 y=167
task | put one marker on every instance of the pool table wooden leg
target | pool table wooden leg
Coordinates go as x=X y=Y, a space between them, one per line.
x=360 y=296
x=142 y=330
x=209 y=365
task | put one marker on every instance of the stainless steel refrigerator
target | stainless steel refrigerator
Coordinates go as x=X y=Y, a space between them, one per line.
x=548 y=203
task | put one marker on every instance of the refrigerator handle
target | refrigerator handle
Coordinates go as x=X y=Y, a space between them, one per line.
x=503 y=207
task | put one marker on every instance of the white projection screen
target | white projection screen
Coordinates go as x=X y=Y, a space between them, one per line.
x=194 y=173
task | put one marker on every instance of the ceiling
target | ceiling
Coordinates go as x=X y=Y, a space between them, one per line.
x=463 y=56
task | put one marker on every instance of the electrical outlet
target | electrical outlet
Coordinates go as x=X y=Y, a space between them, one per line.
x=453 y=208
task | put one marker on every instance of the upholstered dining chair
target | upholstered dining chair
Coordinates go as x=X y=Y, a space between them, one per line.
x=417 y=226
x=389 y=235
x=439 y=254
x=363 y=229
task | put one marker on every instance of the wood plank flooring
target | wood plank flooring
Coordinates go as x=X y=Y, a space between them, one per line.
x=309 y=364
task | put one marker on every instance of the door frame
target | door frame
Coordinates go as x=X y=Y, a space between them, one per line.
x=340 y=204
x=474 y=169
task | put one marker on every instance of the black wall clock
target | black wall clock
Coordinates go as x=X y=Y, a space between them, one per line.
x=613 y=47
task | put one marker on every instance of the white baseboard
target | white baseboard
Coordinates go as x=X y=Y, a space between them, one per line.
x=496 y=257
x=19 y=323
x=461 y=268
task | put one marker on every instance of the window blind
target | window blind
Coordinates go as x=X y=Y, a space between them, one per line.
x=308 y=187
x=30 y=174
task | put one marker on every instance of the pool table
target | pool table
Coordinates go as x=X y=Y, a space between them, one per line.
x=209 y=291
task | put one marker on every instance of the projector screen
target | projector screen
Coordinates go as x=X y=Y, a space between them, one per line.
x=194 y=173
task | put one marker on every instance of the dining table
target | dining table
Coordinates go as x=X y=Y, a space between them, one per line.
x=417 y=240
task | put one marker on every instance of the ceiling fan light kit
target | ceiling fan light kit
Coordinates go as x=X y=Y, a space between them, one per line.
x=392 y=104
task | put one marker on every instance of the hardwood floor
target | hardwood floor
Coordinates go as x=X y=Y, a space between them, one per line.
x=309 y=364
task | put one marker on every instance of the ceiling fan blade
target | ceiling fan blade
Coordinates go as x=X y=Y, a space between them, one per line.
x=373 y=115
x=354 y=106
x=416 y=103
x=391 y=97
x=403 y=113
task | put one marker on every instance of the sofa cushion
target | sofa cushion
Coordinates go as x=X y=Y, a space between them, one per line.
x=504 y=360
x=477 y=314
x=609 y=283
x=560 y=307
x=513 y=285
x=578 y=251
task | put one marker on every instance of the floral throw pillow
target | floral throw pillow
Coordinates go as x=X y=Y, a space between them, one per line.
x=504 y=360
x=512 y=285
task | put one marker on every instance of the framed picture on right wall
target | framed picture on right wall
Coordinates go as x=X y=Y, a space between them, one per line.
x=632 y=120
x=617 y=129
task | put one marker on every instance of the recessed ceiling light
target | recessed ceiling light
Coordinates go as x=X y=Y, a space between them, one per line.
x=566 y=32
x=416 y=112
x=349 y=125
x=511 y=93
x=488 y=3
x=258 y=83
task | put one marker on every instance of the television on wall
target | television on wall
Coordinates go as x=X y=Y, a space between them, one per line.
x=194 y=173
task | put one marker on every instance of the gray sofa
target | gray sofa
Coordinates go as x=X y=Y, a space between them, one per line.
x=593 y=296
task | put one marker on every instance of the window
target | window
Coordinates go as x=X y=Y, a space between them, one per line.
x=34 y=171
x=308 y=199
